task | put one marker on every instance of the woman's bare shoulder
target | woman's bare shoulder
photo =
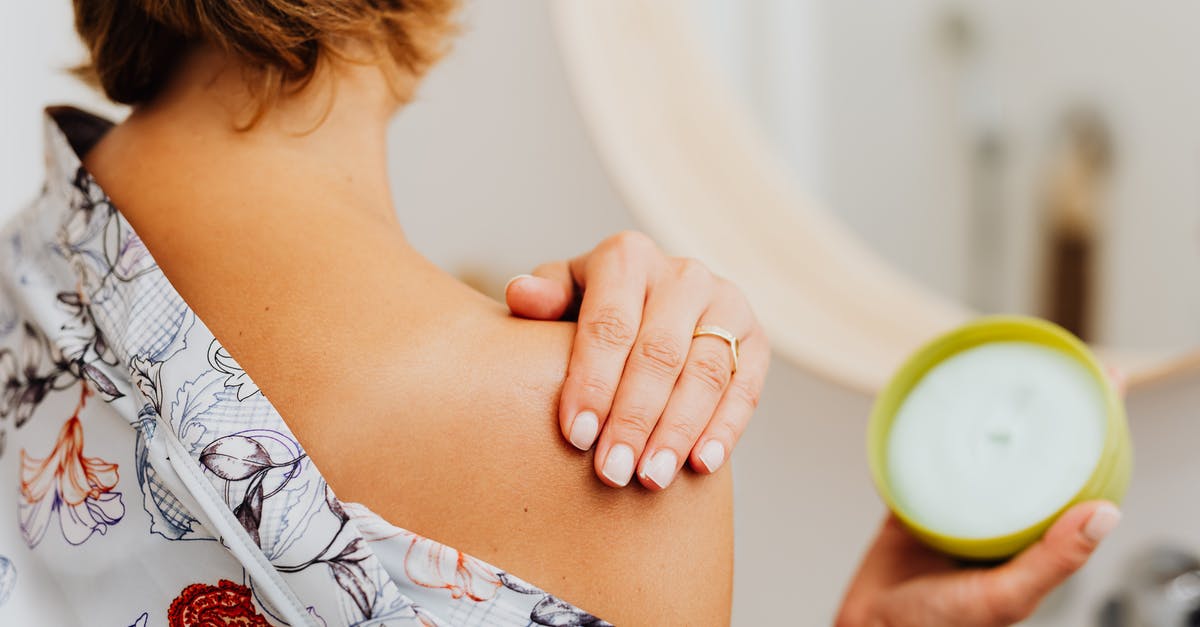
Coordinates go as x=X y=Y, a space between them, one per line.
x=470 y=454
x=444 y=422
x=421 y=398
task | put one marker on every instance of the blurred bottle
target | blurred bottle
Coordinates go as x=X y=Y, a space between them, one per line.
x=1071 y=226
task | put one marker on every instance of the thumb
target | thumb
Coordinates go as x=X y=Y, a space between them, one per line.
x=544 y=295
x=1018 y=586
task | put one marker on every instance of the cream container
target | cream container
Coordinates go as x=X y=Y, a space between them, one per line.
x=990 y=432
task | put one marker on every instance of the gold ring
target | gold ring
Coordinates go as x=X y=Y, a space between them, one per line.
x=730 y=339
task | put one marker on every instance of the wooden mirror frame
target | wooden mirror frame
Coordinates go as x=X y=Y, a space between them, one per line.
x=699 y=175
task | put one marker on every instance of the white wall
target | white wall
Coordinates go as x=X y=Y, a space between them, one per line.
x=493 y=173
x=890 y=115
x=37 y=45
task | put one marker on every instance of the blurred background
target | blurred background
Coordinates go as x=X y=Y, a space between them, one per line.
x=1031 y=156
x=991 y=150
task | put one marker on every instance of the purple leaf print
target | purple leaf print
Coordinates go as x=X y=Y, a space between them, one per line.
x=351 y=577
x=241 y=457
x=101 y=381
x=335 y=505
x=101 y=345
x=552 y=612
x=235 y=458
x=349 y=573
x=516 y=585
x=354 y=551
x=249 y=512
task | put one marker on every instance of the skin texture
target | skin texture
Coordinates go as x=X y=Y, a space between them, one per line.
x=412 y=393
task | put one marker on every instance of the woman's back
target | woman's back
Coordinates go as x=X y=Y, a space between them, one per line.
x=412 y=394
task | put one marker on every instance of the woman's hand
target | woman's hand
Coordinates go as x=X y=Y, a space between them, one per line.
x=639 y=386
x=902 y=583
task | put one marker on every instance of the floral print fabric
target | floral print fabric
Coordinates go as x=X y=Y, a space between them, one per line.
x=78 y=491
x=152 y=483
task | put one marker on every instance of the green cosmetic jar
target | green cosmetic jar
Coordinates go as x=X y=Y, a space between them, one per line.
x=1109 y=476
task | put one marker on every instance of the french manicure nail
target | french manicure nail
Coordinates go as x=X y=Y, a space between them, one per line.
x=584 y=429
x=712 y=455
x=1102 y=522
x=515 y=279
x=618 y=468
x=661 y=468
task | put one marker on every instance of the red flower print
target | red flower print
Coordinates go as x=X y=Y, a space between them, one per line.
x=78 y=489
x=224 y=605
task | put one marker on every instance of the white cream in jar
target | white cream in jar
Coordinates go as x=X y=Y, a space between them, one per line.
x=995 y=439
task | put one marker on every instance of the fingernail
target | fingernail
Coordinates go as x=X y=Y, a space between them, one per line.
x=584 y=429
x=618 y=468
x=515 y=279
x=661 y=468
x=712 y=455
x=1102 y=522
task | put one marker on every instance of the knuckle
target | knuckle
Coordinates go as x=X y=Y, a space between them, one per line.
x=747 y=391
x=690 y=270
x=631 y=240
x=596 y=387
x=632 y=424
x=661 y=353
x=609 y=328
x=683 y=431
x=711 y=369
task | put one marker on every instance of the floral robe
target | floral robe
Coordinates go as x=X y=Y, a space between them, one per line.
x=151 y=483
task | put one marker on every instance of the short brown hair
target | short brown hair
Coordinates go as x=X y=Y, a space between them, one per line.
x=136 y=44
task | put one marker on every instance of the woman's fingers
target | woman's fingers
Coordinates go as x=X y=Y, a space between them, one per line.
x=651 y=373
x=692 y=408
x=546 y=294
x=636 y=377
x=704 y=377
x=614 y=279
x=1013 y=591
x=736 y=407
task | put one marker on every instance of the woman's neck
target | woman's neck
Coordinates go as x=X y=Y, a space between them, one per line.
x=332 y=131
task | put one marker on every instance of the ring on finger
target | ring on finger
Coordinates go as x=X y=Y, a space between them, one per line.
x=720 y=332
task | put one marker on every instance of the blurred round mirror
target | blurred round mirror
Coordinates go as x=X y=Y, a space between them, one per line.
x=1035 y=157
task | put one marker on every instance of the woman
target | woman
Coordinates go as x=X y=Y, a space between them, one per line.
x=252 y=169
